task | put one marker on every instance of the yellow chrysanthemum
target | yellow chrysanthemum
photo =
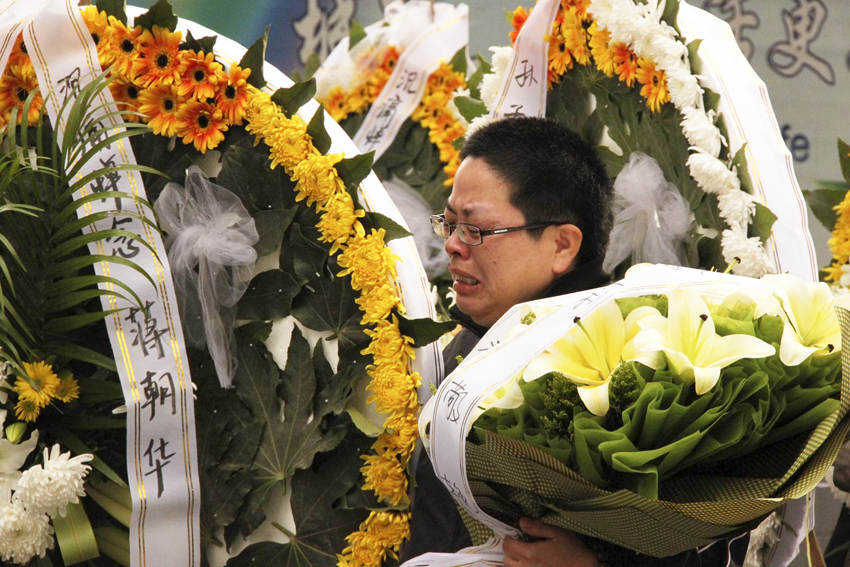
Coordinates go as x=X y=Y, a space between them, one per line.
x=232 y=98
x=340 y=221
x=26 y=410
x=318 y=180
x=98 y=24
x=68 y=389
x=601 y=50
x=368 y=260
x=833 y=272
x=393 y=390
x=381 y=534
x=385 y=475
x=291 y=148
x=377 y=302
x=388 y=345
x=40 y=384
x=361 y=555
x=161 y=60
x=260 y=112
x=200 y=75
x=654 y=83
x=401 y=435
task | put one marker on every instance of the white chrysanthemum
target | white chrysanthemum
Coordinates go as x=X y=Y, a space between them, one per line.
x=736 y=208
x=50 y=487
x=711 y=174
x=491 y=82
x=23 y=535
x=700 y=131
x=667 y=53
x=685 y=90
x=754 y=261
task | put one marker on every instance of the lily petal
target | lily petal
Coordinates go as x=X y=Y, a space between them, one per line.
x=732 y=348
x=705 y=378
x=595 y=398
x=791 y=351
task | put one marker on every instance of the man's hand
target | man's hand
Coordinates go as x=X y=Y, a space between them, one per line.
x=557 y=547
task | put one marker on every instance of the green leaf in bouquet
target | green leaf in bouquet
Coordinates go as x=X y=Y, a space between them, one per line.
x=204 y=44
x=355 y=169
x=271 y=225
x=320 y=528
x=269 y=296
x=316 y=130
x=629 y=304
x=114 y=543
x=112 y=498
x=670 y=15
x=74 y=535
x=247 y=174
x=712 y=99
x=823 y=200
x=458 y=61
x=424 y=331
x=295 y=430
x=290 y=99
x=844 y=159
x=161 y=14
x=470 y=108
x=474 y=80
x=78 y=447
x=769 y=328
x=356 y=34
x=394 y=230
x=255 y=58
x=115 y=8
x=312 y=65
x=739 y=165
x=696 y=61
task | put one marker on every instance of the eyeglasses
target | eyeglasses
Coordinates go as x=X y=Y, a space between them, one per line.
x=472 y=235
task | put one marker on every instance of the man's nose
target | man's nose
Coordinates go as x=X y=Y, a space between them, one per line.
x=454 y=246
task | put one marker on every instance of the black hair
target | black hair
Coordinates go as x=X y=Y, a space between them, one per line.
x=554 y=175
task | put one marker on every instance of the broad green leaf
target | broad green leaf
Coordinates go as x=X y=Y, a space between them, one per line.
x=271 y=225
x=844 y=159
x=823 y=200
x=762 y=225
x=269 y=296
x=474 y=81
x=355 y=169
x=292 y=98
x=113 y=8
x=670 y=15
x=356 y=34
x=295 y=430
x=160 y=14
x=112 y=498
x=114 y=543
x=470 y=108
x=75 y=536
x=204 y=44
x=739 y=163
x=458 y=61
x=712 y=99
x=312 y=65
x=320 y=527
x=254 y=59
x=249 y=175
x=394 y=230
x=694 y=58
x=316 y=130
x=424 y=331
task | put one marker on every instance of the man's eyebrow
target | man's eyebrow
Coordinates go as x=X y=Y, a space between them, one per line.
x=450 y=208
x=467 y=211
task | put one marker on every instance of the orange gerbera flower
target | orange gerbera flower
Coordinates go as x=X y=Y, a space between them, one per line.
x=625 y=62
x=446 y=79
x=201 y=75
x=162 y=105
x=335 y=104
x=16 y=84
x=359 y=99
x=126 y=45
x=654 y=83
x=575 y=36
x=232 y=98
x=518 y=18
x=390 y=59
x=161 y=60
x=19 y=55
x=127 y=94
x=202 y=124
x=601 y=50
x=98 y=22
x=560 y=58
x=377 y=80
x=580 y=8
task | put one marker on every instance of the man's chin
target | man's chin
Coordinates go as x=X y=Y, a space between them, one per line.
x=473 y=309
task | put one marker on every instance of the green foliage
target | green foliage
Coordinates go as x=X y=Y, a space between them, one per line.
x=356 y=34
x=269 y=296
x=161 y=14
x=292 y=98
x=254 y=59
x=823 y=200
x=424 y=331
x=762 y=225
x=115 y=8
x=474 y=80
x=844 y=159
x=355 y=169
x=470 y=108
x=392 y=228
x=312 y=65
x=205 y=44
x=316 y=130
x=458 y=61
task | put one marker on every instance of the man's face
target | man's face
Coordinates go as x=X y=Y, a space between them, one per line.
x=505 y=269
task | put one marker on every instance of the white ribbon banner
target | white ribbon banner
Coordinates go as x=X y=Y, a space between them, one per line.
x=500 y=356
x=406 y=86
x=149 y=350
x=523 y=89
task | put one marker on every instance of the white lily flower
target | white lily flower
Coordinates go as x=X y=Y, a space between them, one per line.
x=689 y=343
x=590 y=352
x=12 y=457
x=810 y=321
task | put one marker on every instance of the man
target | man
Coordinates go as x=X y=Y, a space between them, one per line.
x=528 y=217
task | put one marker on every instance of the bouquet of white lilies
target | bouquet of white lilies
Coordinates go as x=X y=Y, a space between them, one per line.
x=656 y=416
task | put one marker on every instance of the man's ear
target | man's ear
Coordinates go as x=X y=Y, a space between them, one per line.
x=567 y=245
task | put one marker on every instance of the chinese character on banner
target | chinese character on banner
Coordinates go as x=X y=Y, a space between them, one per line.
x=321 y=30
x=739 y=19
x=157 y=460
x=803 y=25
x=407 y=82
x=108 y=182
x=145 y=333
x=69 y=86
x=127 y=247
x=456 y=395
x=158 y=390
x=385 y=117
x=526 y=77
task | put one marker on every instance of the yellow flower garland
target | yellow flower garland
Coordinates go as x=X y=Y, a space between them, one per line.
x=839 y=243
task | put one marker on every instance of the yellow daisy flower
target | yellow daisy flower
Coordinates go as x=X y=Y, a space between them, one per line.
x=601 y=50
x=16 y=84
x=68 y=389
x=161 y=60
x=40 y=384
x=127 y=94
x=200 y=75
x=98 y=23
x=654 y=83
x=575 y=36
x=233 y=95
x=201 y=123
x=125 y=46
x=26 y=409
x=336 y=104
x=625 y=62
x=162 y=106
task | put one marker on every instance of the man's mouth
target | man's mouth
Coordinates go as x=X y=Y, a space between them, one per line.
x=462 y=279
